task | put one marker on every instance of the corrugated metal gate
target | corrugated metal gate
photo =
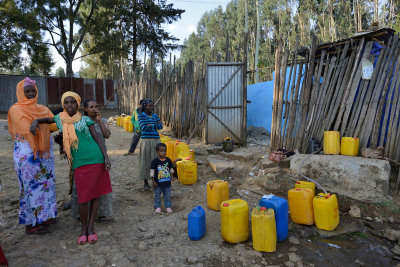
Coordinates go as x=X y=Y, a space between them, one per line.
x=226 y=102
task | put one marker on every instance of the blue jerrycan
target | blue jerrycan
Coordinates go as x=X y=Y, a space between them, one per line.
x=280 y=207
x=197 y=223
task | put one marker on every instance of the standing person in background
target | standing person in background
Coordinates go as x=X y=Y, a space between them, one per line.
x=88 y=156
x=33 y=160
x=105 y=211
x=136 y=133
x=149 y=123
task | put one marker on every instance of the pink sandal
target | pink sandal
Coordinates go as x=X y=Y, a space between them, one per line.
x=92 y=238
x=82 y=240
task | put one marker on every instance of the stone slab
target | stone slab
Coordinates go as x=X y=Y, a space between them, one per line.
x=266 y=163
x=343 y=228
x=220 y=165
x=248 y=154
x=355 y=177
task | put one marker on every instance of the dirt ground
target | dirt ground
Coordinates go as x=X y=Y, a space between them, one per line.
x=138 y=237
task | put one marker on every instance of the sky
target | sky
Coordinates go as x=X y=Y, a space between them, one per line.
x=194 y=9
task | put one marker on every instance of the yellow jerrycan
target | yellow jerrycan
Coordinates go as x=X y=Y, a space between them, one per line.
x=349 y=146
x=305 y=184
x=234 y=220
x=331 y=143
x=130 y=127
x=301 y=205
x=326 y=211
x=217 y=191
x=263 y=229
x=180 y=147
x=117 y=120
x=171 y=149
x=187 y=172
x=187 y=154
x=127 y=119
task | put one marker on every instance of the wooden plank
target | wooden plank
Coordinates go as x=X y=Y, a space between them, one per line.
x=307 y=90
x=275 y=98
x=369 y=94
x=394 y=118
x=372 y=108
x=389 y=101
x=293 y=108
x=349 y=84
x=353 y=89
x=281 y=96
x=382 y=99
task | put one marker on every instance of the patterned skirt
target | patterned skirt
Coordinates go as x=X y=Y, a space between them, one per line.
x=148 y=152
x=37 y=184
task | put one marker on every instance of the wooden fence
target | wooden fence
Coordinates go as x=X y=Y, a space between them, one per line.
x=325 y=91
x=179 y=94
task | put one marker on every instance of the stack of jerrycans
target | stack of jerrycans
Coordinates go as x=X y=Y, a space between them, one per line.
x=280 y=207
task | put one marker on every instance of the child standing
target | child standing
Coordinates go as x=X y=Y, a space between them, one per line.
x=161 y=170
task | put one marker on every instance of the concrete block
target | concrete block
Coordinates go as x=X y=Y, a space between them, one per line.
x=220 y=166
x=355 y=177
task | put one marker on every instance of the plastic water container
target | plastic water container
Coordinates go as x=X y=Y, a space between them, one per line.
x=301 y=205
x=217 y=191
x=305 y=184
x=281 y=210
x=187 y=172
x=197 y=223
x=263 y=229
x=180 y=147
x=349 y=146
x=331 y=143
x=326 y=211
x=234 y=220
x=127 y=120
x=171 y=149
x=164 y=139
x=187 y=154
x=130 y=127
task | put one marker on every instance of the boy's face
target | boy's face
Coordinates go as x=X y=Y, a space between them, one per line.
x=162 y=152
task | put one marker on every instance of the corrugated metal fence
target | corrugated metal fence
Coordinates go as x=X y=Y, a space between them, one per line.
x=51 y=89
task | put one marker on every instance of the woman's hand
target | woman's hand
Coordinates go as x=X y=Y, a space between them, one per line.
x=98 y=116
x=34 y=126
x=107 y=164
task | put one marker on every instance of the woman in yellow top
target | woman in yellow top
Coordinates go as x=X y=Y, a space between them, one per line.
x=88 y=156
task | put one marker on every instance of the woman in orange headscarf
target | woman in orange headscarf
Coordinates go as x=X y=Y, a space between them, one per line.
x=88 y=157
x=33 y=160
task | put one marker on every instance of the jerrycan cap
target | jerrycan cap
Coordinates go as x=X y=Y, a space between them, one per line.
x=298 y=189
x=225 y=204
x=263 y=208
x=298 y=182
x=328 y=195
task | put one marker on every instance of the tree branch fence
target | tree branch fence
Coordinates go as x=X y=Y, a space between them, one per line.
x=325 y=91
x=179 y=94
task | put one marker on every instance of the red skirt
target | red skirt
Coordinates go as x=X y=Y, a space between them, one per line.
x=92 y=181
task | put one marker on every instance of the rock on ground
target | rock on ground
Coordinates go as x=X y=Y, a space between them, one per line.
x=220 y=166
x=355 y=177
x=355 y=211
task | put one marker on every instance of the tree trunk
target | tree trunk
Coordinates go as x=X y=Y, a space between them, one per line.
x=70 y=72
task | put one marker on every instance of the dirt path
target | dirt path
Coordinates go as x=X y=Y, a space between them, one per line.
x=138 y=237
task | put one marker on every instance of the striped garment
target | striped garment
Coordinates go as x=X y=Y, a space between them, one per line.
x=149 y=131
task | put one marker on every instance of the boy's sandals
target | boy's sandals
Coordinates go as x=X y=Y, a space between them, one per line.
x=92 y=239
x=37 y=230
x=50 y=221
x=82 y=240
x=169 y=210
x=128 y=153
x=158 y=210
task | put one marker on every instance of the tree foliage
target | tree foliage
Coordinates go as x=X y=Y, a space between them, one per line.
x=288 y=21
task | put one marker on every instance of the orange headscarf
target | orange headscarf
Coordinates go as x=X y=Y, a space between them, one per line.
x=70 y=140
x=20 y=117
